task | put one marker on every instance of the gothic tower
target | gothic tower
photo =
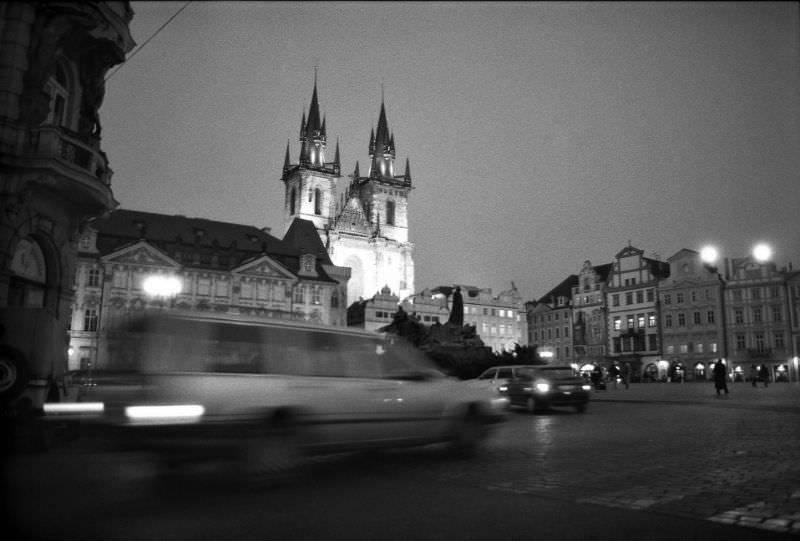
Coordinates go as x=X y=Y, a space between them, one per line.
x=310 y=184
x=370 y=233
x=368 y=230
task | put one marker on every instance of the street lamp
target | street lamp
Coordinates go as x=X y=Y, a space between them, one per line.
x=762 y=252
x=162 y=287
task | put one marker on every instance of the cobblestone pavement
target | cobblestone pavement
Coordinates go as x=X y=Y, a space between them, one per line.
x=673 y=449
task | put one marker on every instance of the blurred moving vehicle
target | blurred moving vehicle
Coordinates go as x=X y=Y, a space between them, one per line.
x=268 y=392
x=538 y=388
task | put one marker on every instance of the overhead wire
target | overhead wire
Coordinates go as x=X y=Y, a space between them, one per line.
x=154 y=34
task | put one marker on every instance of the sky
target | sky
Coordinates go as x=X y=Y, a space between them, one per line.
x=540 y=134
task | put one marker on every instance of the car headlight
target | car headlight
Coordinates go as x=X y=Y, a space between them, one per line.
x=586 y=387
x=503 y=388
x=543 y=387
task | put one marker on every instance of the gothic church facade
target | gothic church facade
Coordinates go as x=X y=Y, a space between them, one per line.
x=363 y=223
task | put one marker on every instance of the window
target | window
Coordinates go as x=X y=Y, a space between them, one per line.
x=315 y=295
x=94 y=278
x=222 y=288
x=299 y=294
x=668 y=321
x=615 y=299
x=776 y=313
x=777 y=340
x=697 y=320
x=317 y=202
x=640 y=297
x=120 y=278
x=774 y=292
x=629 y=297
x=681 y=319
x=699 y=347
x=566 y=332
x=759 y=342
x=652 y=343
x=203 y=286
x=640 y=320
x=630 y=322
x=650 y=295
x=335 y=299
x=679 y=298
x=390 y=212
x=740 y=342
x=90 y=320
x=292 y=199
x=617 y=323
x=738 y=315
x=709 y=296
x=667 y=298
x=755 y=293
x=57 y=88
x=710 y=316
x=246 y=290
x=651 y=319
x=737 y=295
x=684 y=348
x=757 y=315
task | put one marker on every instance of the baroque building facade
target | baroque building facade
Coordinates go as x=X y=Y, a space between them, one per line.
x=54 y=175
x=363 y=224
x=674 y=320
x=633 y=318
x=218 y=267
x=692 y=317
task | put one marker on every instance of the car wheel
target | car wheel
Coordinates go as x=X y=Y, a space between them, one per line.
x=469 y=432
x=273 y=454
x=13 y=373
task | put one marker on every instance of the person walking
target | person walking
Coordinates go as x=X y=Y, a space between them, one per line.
x=626 y=375
x=763 y=375
x=720 y=377
x=753 y=375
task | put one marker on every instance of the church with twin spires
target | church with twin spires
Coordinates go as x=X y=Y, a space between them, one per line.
x=363 y=223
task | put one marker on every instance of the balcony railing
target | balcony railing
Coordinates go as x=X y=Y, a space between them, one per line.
x=57 y=143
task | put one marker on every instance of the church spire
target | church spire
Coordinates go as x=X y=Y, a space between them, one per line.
x=286 y=162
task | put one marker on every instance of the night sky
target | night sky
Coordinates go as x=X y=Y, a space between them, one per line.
x=540 y=134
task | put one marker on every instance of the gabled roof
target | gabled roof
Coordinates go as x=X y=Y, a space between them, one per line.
x=564 y=289
x=302 y=235
x=219 y=245
x=603 y=271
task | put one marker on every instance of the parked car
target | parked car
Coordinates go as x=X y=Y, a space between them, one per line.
x=266 y=393
x=541 y=387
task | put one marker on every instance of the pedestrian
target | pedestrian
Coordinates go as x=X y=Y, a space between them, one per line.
x=763 y=374
x=597 y=378
x=625 y=372
x=720 y=377
x=614 y=373
x=753 y=374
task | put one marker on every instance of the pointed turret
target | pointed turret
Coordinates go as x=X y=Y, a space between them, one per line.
x=286 y=163
x=407 y=176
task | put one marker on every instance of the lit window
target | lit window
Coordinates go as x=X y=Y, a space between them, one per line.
x=90 y=320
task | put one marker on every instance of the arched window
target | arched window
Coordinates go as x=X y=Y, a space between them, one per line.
x=390 y=212
x=292 y=197
x=317 y=202
x=28 y=275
